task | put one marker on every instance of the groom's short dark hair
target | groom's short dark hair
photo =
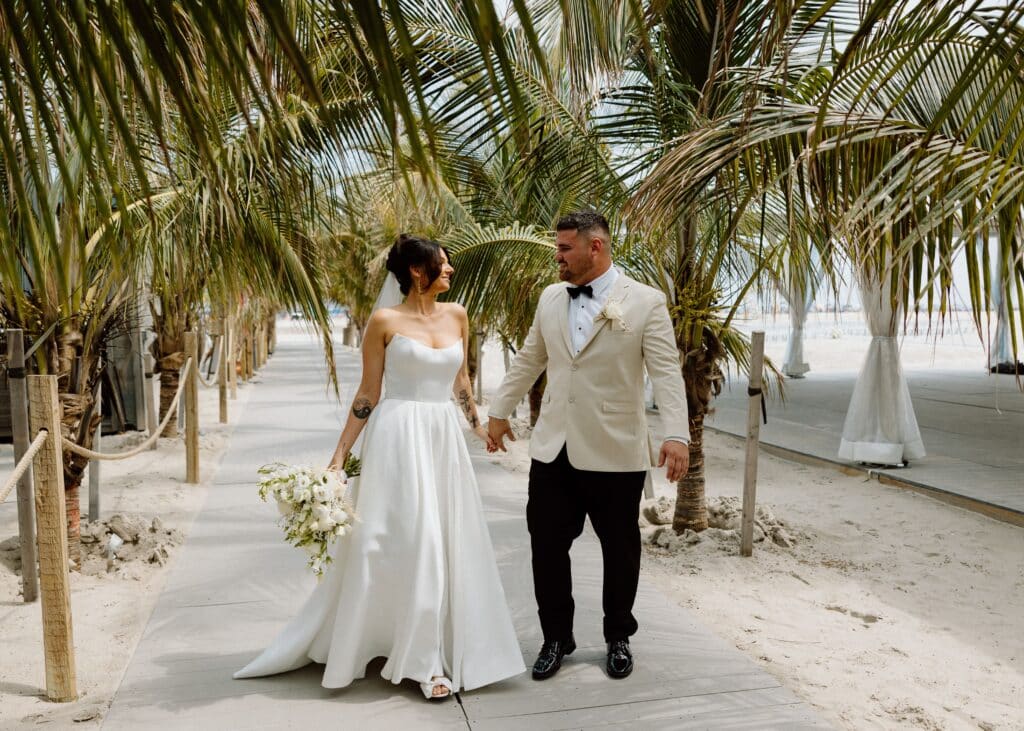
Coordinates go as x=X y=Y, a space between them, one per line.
x=583 y=221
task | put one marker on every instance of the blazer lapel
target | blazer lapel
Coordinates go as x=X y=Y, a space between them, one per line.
x=620 y=290
x=562 y=317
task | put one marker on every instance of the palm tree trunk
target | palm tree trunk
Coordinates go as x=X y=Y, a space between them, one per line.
x=471 y=364
x=691 y=502
x=170 y=377
x=75 y=378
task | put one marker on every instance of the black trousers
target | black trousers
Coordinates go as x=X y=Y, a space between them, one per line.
x=561 y=497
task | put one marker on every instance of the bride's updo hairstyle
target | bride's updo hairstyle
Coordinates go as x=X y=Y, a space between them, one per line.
x=415 y=251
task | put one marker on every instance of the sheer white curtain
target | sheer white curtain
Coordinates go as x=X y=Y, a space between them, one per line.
x=880 y=424
x=799 y=298
x=1002 y=352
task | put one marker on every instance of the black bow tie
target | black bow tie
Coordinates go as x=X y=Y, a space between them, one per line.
x=586 y=289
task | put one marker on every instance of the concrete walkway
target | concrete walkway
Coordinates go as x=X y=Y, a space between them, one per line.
x=234 y=583
x=972 y=425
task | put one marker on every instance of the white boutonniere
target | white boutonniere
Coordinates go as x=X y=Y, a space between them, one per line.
x=612 y=311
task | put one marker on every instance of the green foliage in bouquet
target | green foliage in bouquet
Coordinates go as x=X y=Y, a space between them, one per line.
x=353 y=466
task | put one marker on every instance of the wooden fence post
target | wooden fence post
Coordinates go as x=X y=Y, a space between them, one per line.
x=192 y=409
x=152 y=418
x=94 y=464
x=20 y=429
x=48 y=471
x=253 y=365
x=222 y=372
x=753 y=430
x=232 y=358
x=243 y=354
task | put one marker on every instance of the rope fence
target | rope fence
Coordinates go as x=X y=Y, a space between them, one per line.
x=212 y=383
x=171 y=410
x=40 y=411
x=23 y=464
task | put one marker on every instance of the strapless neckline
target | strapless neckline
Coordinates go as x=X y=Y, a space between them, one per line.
x=428 y=347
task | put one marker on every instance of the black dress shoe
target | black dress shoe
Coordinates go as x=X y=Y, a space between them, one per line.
x=550 y=657
x=620 y=659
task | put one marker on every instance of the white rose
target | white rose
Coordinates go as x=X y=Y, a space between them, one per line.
x=613 y=313
x=321 y=493
x=339 y=516
x=323 y=517
x=313 y=527
x=301 y=495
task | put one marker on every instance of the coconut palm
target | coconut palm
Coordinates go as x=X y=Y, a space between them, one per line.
x=906 y=145
x=93 y=99
x=613 y=83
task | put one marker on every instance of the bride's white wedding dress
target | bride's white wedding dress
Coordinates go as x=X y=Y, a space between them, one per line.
x=416 y=581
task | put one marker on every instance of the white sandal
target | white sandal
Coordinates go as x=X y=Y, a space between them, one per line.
x=428 y=688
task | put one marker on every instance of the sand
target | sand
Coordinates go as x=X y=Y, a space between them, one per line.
x=890 y=609
x=111 y=600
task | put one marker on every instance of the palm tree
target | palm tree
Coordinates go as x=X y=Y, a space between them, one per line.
x=92 y=101
x=605 y=86
x=904 y=145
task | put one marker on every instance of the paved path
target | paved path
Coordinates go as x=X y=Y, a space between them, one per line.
x=972 y=425
x=234 y=583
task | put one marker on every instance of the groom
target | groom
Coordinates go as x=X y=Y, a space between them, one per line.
x=594 y=333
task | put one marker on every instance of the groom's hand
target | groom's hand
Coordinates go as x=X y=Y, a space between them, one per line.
x=677 y=456
x=497 y=429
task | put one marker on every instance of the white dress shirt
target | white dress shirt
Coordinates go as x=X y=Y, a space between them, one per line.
x=583 y=309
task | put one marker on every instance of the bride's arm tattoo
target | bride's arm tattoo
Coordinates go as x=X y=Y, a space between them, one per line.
x=362 y=408
x=468 y=408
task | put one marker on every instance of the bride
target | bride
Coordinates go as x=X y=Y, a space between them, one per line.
x=416 y=581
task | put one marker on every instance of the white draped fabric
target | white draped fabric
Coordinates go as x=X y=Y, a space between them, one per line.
x=880 y=425
x=800 y=300
x=1002 y=352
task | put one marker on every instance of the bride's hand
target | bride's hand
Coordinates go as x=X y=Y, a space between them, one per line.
x=481 y=432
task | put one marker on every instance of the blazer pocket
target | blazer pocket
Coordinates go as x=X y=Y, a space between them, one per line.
x=618 y=407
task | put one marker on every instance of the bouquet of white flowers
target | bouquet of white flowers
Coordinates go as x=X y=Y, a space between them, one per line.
x=312 y=505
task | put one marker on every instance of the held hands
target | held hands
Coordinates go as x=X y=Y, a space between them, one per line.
x=677 y=456
x=497 y=430
x=485 y=437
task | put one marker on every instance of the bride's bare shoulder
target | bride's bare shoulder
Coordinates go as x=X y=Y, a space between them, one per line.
x=383 y=321
x=384 y=315
x=455 y=309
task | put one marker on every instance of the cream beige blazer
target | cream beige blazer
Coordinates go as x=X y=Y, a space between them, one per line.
x=594 y=402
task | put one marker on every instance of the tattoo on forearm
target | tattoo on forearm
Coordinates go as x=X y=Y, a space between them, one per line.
x=362 y=408
x=468 y=408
